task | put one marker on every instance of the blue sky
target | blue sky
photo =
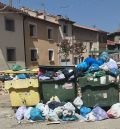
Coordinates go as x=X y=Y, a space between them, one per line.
x=104 y=14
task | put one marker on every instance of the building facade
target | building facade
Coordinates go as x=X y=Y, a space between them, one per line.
x=93 y=40
x=11 y=38
x=113 y=45
x=41 y=38
x=30 y=38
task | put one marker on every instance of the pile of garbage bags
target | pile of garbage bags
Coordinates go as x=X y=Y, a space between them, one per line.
x=91 y=66
x=54 y=110
x=17 y=72
x=103 y=64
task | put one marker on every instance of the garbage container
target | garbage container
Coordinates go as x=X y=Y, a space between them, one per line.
x=64 y=90
x=23 y=92
x=99 y=91
x=54 y=68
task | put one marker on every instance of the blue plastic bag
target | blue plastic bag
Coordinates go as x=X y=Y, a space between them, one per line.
x=84 y=111
x=82 y=66
x=22 y=76
x=69 y=118
x=114 y=72
x=94 y=68
x=90 y=61
x=100 y=62
x=104 y=56
x=36 y=114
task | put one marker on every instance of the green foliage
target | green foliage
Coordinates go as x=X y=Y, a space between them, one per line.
x=66 y=48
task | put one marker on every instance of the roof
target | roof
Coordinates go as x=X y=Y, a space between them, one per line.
x=4 y=7
x=111 y=42
x=36 y=16
x=115 y=33
x=85 y=27
x=89 y=28
x=42 y=20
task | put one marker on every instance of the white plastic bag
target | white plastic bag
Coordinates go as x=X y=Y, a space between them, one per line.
x=46 y=110
x=69 y=106
x=78 y=102
x=90 y=117
x=104 y=67
x=59 y=110
x=81 y=118
x=40 y=106
x=52 y=116
x=20 y=113
x=27 y=113
x=114 y=111
x=68 y=112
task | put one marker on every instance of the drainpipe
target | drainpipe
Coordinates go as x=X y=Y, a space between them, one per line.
x=24 y=17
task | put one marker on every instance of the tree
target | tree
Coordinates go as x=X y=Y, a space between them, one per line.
x=77 y=49
x=66 y=48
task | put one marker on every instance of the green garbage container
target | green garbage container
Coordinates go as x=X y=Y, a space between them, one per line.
x=64 y=90
x=99 y=91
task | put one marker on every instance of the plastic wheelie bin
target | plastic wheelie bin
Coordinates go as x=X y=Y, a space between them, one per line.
x=23 y=92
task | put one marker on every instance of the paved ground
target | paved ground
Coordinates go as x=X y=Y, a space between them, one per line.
x=8 y=121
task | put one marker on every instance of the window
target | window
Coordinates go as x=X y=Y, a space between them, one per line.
x=33 y=54
x=51 y=55
x=33 y=29
x=50 y=33
x=9 y=24
x=11 y=54
x=65 y=29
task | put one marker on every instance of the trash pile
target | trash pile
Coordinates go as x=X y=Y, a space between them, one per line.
x=56 y=111
x=91 y=66
x=103 y=65
x=17 y=72
x=55 y=73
